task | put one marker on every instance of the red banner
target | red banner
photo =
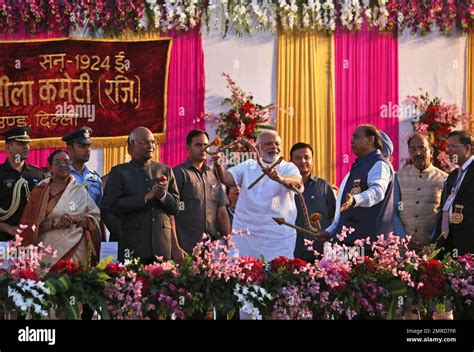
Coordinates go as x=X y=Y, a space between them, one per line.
x=58 y=85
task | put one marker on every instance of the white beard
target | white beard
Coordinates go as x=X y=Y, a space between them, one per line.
x=269 y=159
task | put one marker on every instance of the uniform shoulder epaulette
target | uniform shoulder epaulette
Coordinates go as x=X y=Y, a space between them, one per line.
x=36 y=167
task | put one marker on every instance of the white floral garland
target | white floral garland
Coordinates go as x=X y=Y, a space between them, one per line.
x=248 y=16
x=351 y=16
x=37 y=290
x=181 y=15
x=245 y=295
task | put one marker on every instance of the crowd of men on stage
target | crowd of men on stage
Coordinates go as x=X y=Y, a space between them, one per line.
x=154 y=210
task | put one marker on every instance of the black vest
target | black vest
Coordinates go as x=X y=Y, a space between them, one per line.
x=367 y=222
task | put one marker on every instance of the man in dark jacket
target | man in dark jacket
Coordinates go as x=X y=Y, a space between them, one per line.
x=144 y=194
x=454 y=232
x=319 y=198
x=455 y=228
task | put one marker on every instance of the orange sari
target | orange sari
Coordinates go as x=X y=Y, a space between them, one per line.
x=74 y=243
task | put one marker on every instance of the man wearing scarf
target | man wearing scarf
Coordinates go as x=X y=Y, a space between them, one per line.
x=367 y=190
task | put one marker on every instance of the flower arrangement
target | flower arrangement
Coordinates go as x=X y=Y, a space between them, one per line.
x=334 y=286
x=20 y=286
x=436 y=119
x=75 y=284
x=29 y=297
x=244 y=119
x=460 y=276
x=238 y=16
x=253 y=299
x=126 y=298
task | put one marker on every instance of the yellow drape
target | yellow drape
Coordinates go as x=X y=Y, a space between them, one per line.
x=129 y=34
x=305 y=92
x=470 y=81
x=118 y=155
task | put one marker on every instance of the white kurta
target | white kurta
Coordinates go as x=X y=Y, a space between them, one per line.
x=256 y=208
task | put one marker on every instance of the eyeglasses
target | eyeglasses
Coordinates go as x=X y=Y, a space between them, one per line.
x=145 y=143
x=62 y=163
x=451 y=146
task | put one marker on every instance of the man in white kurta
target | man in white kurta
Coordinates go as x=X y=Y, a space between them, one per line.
x=267 y=199
x=256 y=208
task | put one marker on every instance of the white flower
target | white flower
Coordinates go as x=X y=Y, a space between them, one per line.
x=329 y=20
x=400 y=18
x=257 y=293
x=157 y=15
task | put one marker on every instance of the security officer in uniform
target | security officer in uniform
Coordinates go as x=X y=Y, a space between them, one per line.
x=79 y=150
x=17 y=179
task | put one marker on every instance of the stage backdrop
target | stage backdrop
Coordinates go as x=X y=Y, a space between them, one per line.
x=58 y=85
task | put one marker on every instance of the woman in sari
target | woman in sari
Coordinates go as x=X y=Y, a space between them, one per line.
x=60 y=213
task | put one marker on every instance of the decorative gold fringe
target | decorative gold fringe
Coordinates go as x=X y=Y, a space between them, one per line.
x=104 y=142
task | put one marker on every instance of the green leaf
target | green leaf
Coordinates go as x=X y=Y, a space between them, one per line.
x=230 y=314
x=102 y=276
x=103 y=264
x=60 y=285
x=71 y=311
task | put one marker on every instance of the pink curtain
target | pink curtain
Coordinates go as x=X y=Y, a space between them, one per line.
x=186 y=88
x=366 y=90
x=37 y=157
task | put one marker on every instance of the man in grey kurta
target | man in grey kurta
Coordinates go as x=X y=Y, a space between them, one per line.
x=203 y=203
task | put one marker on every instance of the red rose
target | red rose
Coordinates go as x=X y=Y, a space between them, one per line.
x=252 y=269
x=250 y=127
x=431 y=114
x=232 y=116
x=156 y=272
x=285 y=264
x=65 y=266
x=443 y=129
x=298 y=263
x=248 y=108
x=433 y=109
x=28 y=275
x=114 y=269
x=433 y=263
x=235 y=132
x=279 y=263
x=432 y=278
x=145 y=284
